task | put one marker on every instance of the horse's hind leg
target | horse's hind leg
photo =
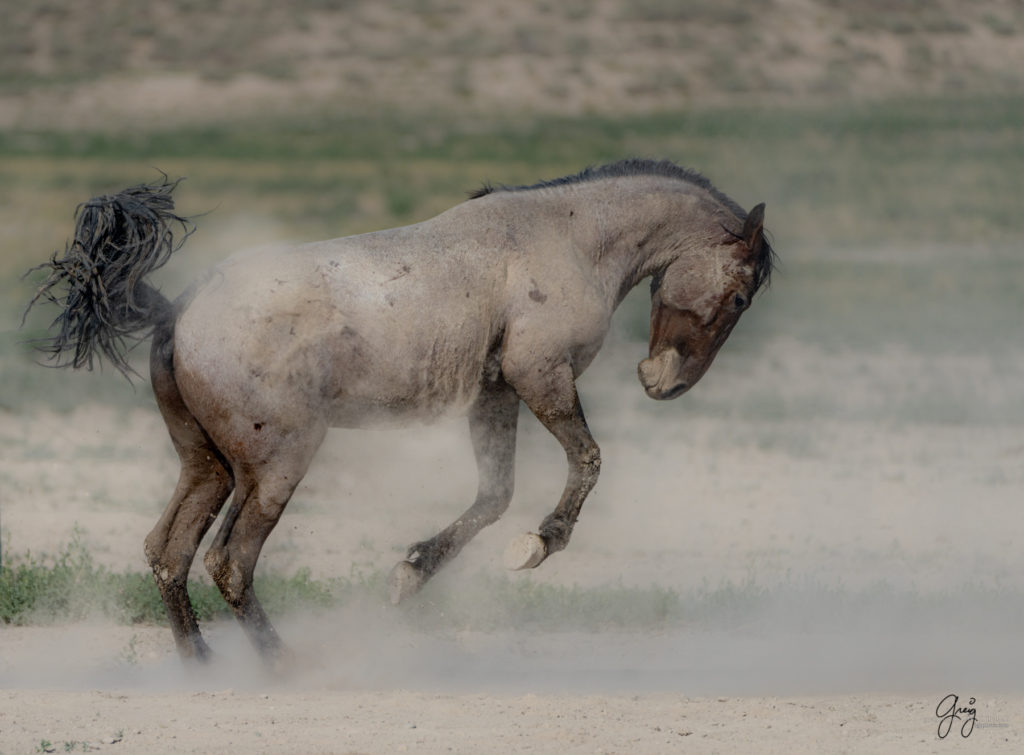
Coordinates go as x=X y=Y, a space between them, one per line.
x=204 y=484
x=264 y=488
x=492 y=426
x=172 y=544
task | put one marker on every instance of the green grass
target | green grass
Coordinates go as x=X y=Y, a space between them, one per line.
x=940 y=171
x=71 y=587
x=67 y=587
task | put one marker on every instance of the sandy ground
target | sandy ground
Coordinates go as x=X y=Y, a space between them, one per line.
x=154 y=706
x=334 y=721
x=908 y=527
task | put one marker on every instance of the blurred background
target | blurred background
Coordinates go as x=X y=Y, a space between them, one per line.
x=886 y=139
x=861 y=434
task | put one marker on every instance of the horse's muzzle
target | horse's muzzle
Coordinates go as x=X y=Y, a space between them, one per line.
x=671 y=393
x=660 y=375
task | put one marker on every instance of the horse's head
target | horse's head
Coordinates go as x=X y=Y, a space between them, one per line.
x=695 y=304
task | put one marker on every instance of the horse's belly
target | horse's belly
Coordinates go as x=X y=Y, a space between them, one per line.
x=397 y=383
x=396 y=408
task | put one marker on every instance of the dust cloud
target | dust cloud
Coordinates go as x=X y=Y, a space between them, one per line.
x=826 y=517
x=791 y=649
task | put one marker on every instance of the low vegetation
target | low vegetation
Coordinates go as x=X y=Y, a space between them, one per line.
x=70 y=586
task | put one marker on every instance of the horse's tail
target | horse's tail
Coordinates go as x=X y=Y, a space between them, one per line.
x=106 y=305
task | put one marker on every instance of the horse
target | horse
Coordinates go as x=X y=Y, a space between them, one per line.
x=504 y=298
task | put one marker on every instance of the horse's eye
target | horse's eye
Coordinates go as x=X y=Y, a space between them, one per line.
x=740 y=301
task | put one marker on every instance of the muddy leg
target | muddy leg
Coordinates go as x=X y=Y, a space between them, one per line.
x=231 y=561
x=264 y=489
x=492 y=427
x=202 y=488
x=554 y=401
x=204 y=484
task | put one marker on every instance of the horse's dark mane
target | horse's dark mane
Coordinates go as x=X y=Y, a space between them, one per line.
x=623 y=169
x=645 y=167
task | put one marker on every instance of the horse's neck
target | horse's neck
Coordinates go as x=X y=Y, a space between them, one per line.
x=637 y=232
x=627 y=228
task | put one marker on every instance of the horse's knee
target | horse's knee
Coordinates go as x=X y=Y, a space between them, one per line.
x=588 y=465
x=171 y=580
x=170 y=568
x=155 y=545
x=489 y=508
x=216 y=562
x=226 y=573
x=494 y=495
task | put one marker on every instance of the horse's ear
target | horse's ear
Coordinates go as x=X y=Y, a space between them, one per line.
x=754 y=227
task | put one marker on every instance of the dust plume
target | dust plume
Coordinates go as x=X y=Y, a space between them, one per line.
x=803 y=534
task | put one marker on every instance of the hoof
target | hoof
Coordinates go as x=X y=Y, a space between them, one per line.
x=404 y=581
x=525 y=552
x=194 y=652
x=284 y=662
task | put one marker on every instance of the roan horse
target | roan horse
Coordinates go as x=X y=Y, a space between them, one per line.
x=504 y=298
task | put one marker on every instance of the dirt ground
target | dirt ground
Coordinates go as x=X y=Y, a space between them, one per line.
x=904 y=526
x=73 y=700
x=339 y=721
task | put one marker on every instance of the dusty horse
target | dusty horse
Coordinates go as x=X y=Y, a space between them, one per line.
x=504 y=298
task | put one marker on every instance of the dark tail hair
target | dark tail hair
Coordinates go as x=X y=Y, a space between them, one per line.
x=106 y=306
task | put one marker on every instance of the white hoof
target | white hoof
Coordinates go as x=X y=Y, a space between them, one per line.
x=403 y=581
x=525 y=552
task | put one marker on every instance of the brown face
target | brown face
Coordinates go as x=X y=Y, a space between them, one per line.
x=694 y=308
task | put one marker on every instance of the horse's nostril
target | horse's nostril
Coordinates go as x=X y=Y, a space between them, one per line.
x=676 y=391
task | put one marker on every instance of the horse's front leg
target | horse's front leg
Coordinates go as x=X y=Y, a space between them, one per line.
x=552 y=398
x=492 y=427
